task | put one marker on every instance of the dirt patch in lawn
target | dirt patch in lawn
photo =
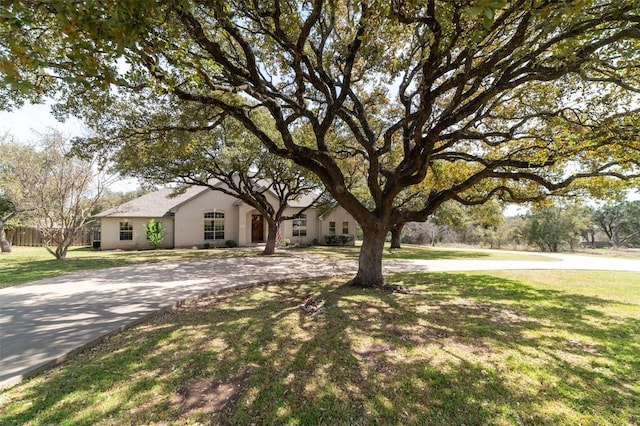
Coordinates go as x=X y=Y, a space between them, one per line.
x=201 y=394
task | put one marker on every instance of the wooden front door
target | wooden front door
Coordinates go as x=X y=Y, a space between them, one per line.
x=257 y=228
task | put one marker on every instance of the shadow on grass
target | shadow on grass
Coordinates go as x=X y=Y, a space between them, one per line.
x=18 y=269
x=413 y=252
x=406 y=252
x=472 y=349
x=430 y=253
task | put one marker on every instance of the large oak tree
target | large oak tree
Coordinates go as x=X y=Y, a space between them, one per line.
x=466 y=100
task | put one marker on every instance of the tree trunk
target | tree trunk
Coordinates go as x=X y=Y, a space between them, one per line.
x=370 y=263
x=614 y=240
x=49 y=249
x=61 y=252
x=396 y=231
x=272 y=233
x=5 y=244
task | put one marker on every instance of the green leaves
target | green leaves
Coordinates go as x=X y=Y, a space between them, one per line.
x=155 y=233
x=619 y=221
x=553 y=227
x=486 y=10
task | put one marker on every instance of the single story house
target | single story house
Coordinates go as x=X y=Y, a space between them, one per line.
x=201 y=217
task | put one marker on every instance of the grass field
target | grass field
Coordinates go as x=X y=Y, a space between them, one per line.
x=408 y=252
x=26 y=264
x=624 y=253
x=503 y=348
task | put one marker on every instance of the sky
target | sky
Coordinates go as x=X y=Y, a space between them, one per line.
x=26 y=123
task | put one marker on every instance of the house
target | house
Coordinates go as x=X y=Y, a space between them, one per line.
x=202 y=217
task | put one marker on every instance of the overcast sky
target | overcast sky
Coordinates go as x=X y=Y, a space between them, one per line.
x=25 y=123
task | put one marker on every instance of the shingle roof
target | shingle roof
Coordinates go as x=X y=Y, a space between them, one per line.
x=160 y=203
x=154 y=204
x=304 y=200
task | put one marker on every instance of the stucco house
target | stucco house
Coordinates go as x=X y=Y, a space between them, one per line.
x=202 y=217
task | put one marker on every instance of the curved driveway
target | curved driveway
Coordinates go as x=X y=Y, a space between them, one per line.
x=44 y=322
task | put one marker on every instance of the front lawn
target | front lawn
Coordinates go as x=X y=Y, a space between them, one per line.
x=462 y=348
x=415 y=252
x=26 y=264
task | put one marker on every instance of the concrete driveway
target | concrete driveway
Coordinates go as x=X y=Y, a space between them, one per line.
x=44 y=322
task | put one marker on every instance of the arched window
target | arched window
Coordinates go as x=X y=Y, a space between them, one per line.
x=213 y=226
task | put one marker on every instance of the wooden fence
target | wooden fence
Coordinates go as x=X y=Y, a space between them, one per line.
x=30 y=237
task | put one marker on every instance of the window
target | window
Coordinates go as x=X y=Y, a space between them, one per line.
x=300 y=226
x=126 y=231
x=345 y=227
x=214 y=226
x=332 y=228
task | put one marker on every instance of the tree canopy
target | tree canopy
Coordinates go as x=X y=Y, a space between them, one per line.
x=453 y=100
x=620 y=222
x=552 y=226
x=57 y=190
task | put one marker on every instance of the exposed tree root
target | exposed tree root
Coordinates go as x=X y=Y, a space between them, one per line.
x=312 y=304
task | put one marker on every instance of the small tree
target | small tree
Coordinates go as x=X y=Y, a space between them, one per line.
x=11 y=192
x=551 y=227
x=58 y=189
x=155 y=233
x=620 y=222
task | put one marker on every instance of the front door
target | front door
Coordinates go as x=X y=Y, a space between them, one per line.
x=257 y=228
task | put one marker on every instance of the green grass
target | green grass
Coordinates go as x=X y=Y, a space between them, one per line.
x=413 y=252
x=497 y=348
x=624 y=253
x=26 y=264
x=607 y=285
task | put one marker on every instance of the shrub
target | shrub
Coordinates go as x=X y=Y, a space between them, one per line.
x=207 y=246
x=155 y=233
x=338 y=240
x=331 y=240
x=231 y=243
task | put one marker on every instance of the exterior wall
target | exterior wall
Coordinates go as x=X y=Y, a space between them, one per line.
x=189 y=220
x=337 y=215
x=316 y=228
x=244 y=232
x=110 y=233
x=312 y=227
